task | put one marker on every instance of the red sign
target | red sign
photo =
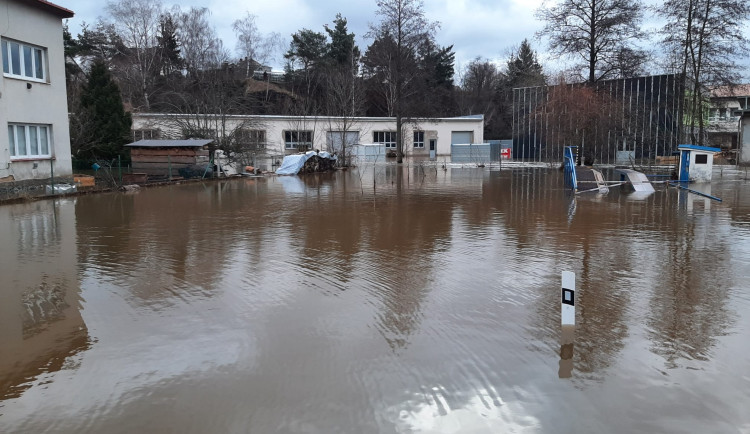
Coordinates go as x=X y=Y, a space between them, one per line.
x=505 y=153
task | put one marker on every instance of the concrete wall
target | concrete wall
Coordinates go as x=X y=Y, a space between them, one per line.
x=436 y=128
x=43 y=103
x=744 y=152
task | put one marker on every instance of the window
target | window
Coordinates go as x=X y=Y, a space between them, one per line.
x=23 y=61
x=388 y=138
x=245 y=135
x=298 y=139
x=250 y=139
x=198 y=133
x=701 y=159
x=29 y=141
x=419 y=139
x=146 y=134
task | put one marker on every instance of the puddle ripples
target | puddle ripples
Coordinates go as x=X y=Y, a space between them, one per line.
x=429 y=304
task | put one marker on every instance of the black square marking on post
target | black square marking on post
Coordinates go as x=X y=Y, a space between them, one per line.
x=568 y=297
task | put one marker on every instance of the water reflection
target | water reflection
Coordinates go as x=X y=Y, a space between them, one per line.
x=567 y=349
x=41 y=326
x=321 y=304
x=689 y=306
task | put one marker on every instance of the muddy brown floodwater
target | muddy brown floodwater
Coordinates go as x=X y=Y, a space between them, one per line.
x=430 y=304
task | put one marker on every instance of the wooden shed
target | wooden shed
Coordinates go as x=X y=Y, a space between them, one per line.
x=167 y=157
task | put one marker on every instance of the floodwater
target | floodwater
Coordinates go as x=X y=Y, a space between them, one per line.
x=430 y=303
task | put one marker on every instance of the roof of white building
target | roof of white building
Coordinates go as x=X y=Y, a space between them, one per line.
x=189 y=143
x=314 y=118
x=49 y=7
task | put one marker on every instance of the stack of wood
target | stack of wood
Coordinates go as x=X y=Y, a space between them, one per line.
x=318 y=164
x=157 y=161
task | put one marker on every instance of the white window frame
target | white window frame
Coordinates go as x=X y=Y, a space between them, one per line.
x=146 y=134
x=253 y=138
x=293 y=139
x=15 y=131
x=250 y=135
x=7 y=61
x=419 y=139
x=387 y=138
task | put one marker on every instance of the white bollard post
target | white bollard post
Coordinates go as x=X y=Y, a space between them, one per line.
x=568 y=306
x=568 y=319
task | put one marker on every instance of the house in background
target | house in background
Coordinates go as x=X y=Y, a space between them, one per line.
x=33 y=99
x=725 y=108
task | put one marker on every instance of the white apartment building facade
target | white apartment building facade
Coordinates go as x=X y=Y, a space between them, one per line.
x=33 y=100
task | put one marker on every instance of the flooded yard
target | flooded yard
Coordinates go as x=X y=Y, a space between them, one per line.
x=429 y=303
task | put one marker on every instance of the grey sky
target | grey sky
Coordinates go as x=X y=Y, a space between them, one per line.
x=476 y=28
x=485 y=28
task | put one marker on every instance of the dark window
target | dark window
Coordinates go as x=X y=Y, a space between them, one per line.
x=388 y=138
x=701 y=159
x=298 y=139
x=419 y=139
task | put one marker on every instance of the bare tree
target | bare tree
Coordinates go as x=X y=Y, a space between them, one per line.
x=706 y=38
x=137 y=24
x=593 y=31
x=404 y=23
x=582 y=116
x=201 y=49
x=479 y=86
x=253 y=45
x=345 y=100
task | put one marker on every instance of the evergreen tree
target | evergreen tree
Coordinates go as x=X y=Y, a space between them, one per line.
x=169 y=46
x=436 y=65
x=102 y=116
x=307 y=47
x=342 y=50
x=523 y=68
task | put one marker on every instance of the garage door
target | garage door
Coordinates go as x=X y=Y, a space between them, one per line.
x=461 y=137
x=335 y=138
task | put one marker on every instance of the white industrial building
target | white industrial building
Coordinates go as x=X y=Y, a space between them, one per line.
x=33 y=98
x=281 y=135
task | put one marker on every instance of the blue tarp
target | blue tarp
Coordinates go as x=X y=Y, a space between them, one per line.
x=292 y=164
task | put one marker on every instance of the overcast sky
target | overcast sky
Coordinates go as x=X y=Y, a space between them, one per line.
x=484 y=28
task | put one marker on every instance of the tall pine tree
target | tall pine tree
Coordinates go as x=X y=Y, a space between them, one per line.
x=102 y=116
x=342 y=50
x=523 y=68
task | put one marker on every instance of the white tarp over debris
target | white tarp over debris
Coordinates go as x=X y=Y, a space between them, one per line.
x=292 y=164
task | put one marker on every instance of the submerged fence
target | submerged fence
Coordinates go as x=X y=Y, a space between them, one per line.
x=639 y=117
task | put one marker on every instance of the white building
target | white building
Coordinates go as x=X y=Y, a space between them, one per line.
x=33 y=98
x=281 y=135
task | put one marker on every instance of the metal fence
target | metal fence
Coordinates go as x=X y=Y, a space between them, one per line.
x=641 y=117
x=477 y=153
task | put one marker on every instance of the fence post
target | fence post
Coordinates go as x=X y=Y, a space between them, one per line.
x=169 y=161
x=119 y=167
